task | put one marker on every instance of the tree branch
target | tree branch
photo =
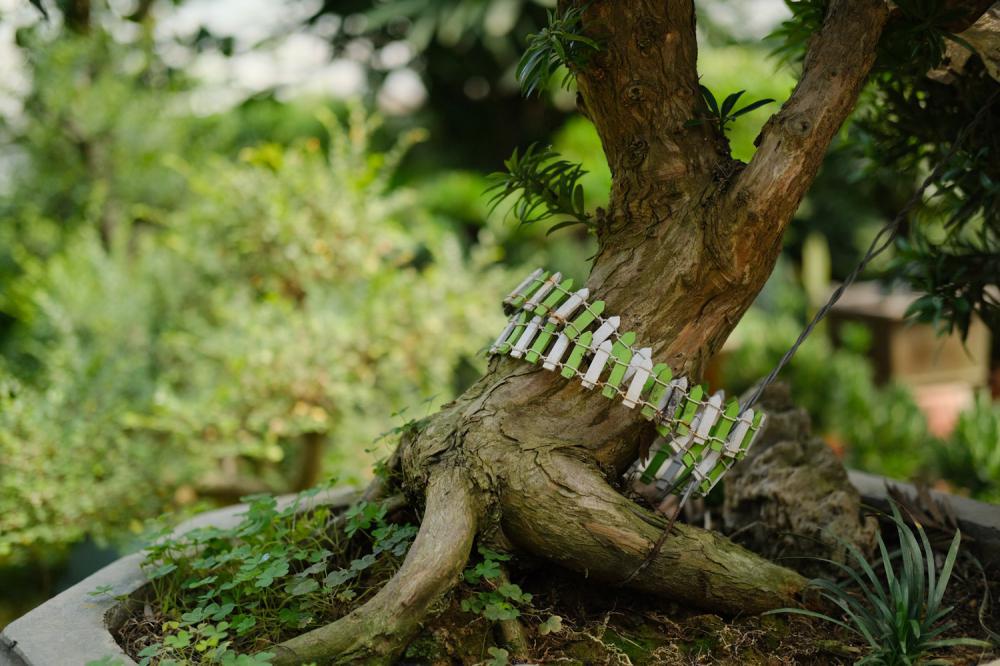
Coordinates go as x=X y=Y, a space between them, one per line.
x=794 y=141
x=639 y=89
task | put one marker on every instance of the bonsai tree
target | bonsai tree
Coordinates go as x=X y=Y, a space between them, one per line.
x=528 y=460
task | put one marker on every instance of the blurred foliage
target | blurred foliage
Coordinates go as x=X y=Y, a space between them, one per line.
x=262 y=306
x=792 y=36
x=971 y=457
x=468 y=55
x=952 y=254
x=86 y=147
x=450 y=22
x=880 y=428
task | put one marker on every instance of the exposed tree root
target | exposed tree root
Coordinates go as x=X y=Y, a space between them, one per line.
x=377 y=631
x=554 y=504
x=562 y=509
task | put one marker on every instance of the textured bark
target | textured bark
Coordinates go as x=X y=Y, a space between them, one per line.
x=562 y=508
x=689 y=238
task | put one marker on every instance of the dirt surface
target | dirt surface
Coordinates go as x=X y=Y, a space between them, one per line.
x=604 y=625
x=608 y=625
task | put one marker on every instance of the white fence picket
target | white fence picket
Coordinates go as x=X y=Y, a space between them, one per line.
x=557 y=352
x=597 y=365
x=525 y=340
x=524 y=285
x=639 y=369
x=604 y=331
x=543 y=291
x=569 y=308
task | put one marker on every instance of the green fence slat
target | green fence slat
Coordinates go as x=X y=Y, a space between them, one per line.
x=663 y=373
x=621 y=352
x=523 y=297
x=555 y=298
x=541 y=342
x=572 y=365
x=519 y=324
x=584 y=319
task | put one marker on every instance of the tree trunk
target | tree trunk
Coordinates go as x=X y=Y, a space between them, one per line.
x=689 y=239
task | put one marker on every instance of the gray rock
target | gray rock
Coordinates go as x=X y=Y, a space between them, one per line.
x=791 y=497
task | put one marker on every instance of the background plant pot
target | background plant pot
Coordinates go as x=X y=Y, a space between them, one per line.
x=76 y=626
x=978 y=520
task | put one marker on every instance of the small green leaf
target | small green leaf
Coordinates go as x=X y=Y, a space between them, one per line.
x=500 y=610
x=514 y=593
x=162 y=570
x=562 y=225
x=552 y=625
x=709 y=98
x=490 y=554
x=208 y=580
x=101 y=591
x=339 y=577
x=301 y=586
x=752 y=106
x=499 y=657
x=730 y=102
x=181 y=639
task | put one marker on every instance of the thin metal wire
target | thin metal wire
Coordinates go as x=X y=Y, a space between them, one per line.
x=882 y=241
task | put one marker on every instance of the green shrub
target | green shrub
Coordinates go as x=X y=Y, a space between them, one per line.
x=970 y=457
x=288 y=304
x=881 y=429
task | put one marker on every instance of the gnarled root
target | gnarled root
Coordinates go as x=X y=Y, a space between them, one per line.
x=561 y=508
x=377 y=631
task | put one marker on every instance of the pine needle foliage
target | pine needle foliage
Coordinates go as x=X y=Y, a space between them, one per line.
x=793 y=35
x=723 y=115
x=958 y=280
x=901 y=613
x=546 y=185
x=907 y=124
x=558 y=44
x=915 y=43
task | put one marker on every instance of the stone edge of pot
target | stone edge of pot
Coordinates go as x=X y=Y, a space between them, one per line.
x=72 y=627
x=976 y=519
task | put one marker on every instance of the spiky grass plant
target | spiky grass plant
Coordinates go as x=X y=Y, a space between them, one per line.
x=902 y=616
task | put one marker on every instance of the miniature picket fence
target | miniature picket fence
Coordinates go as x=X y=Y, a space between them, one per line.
x=700 y=436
